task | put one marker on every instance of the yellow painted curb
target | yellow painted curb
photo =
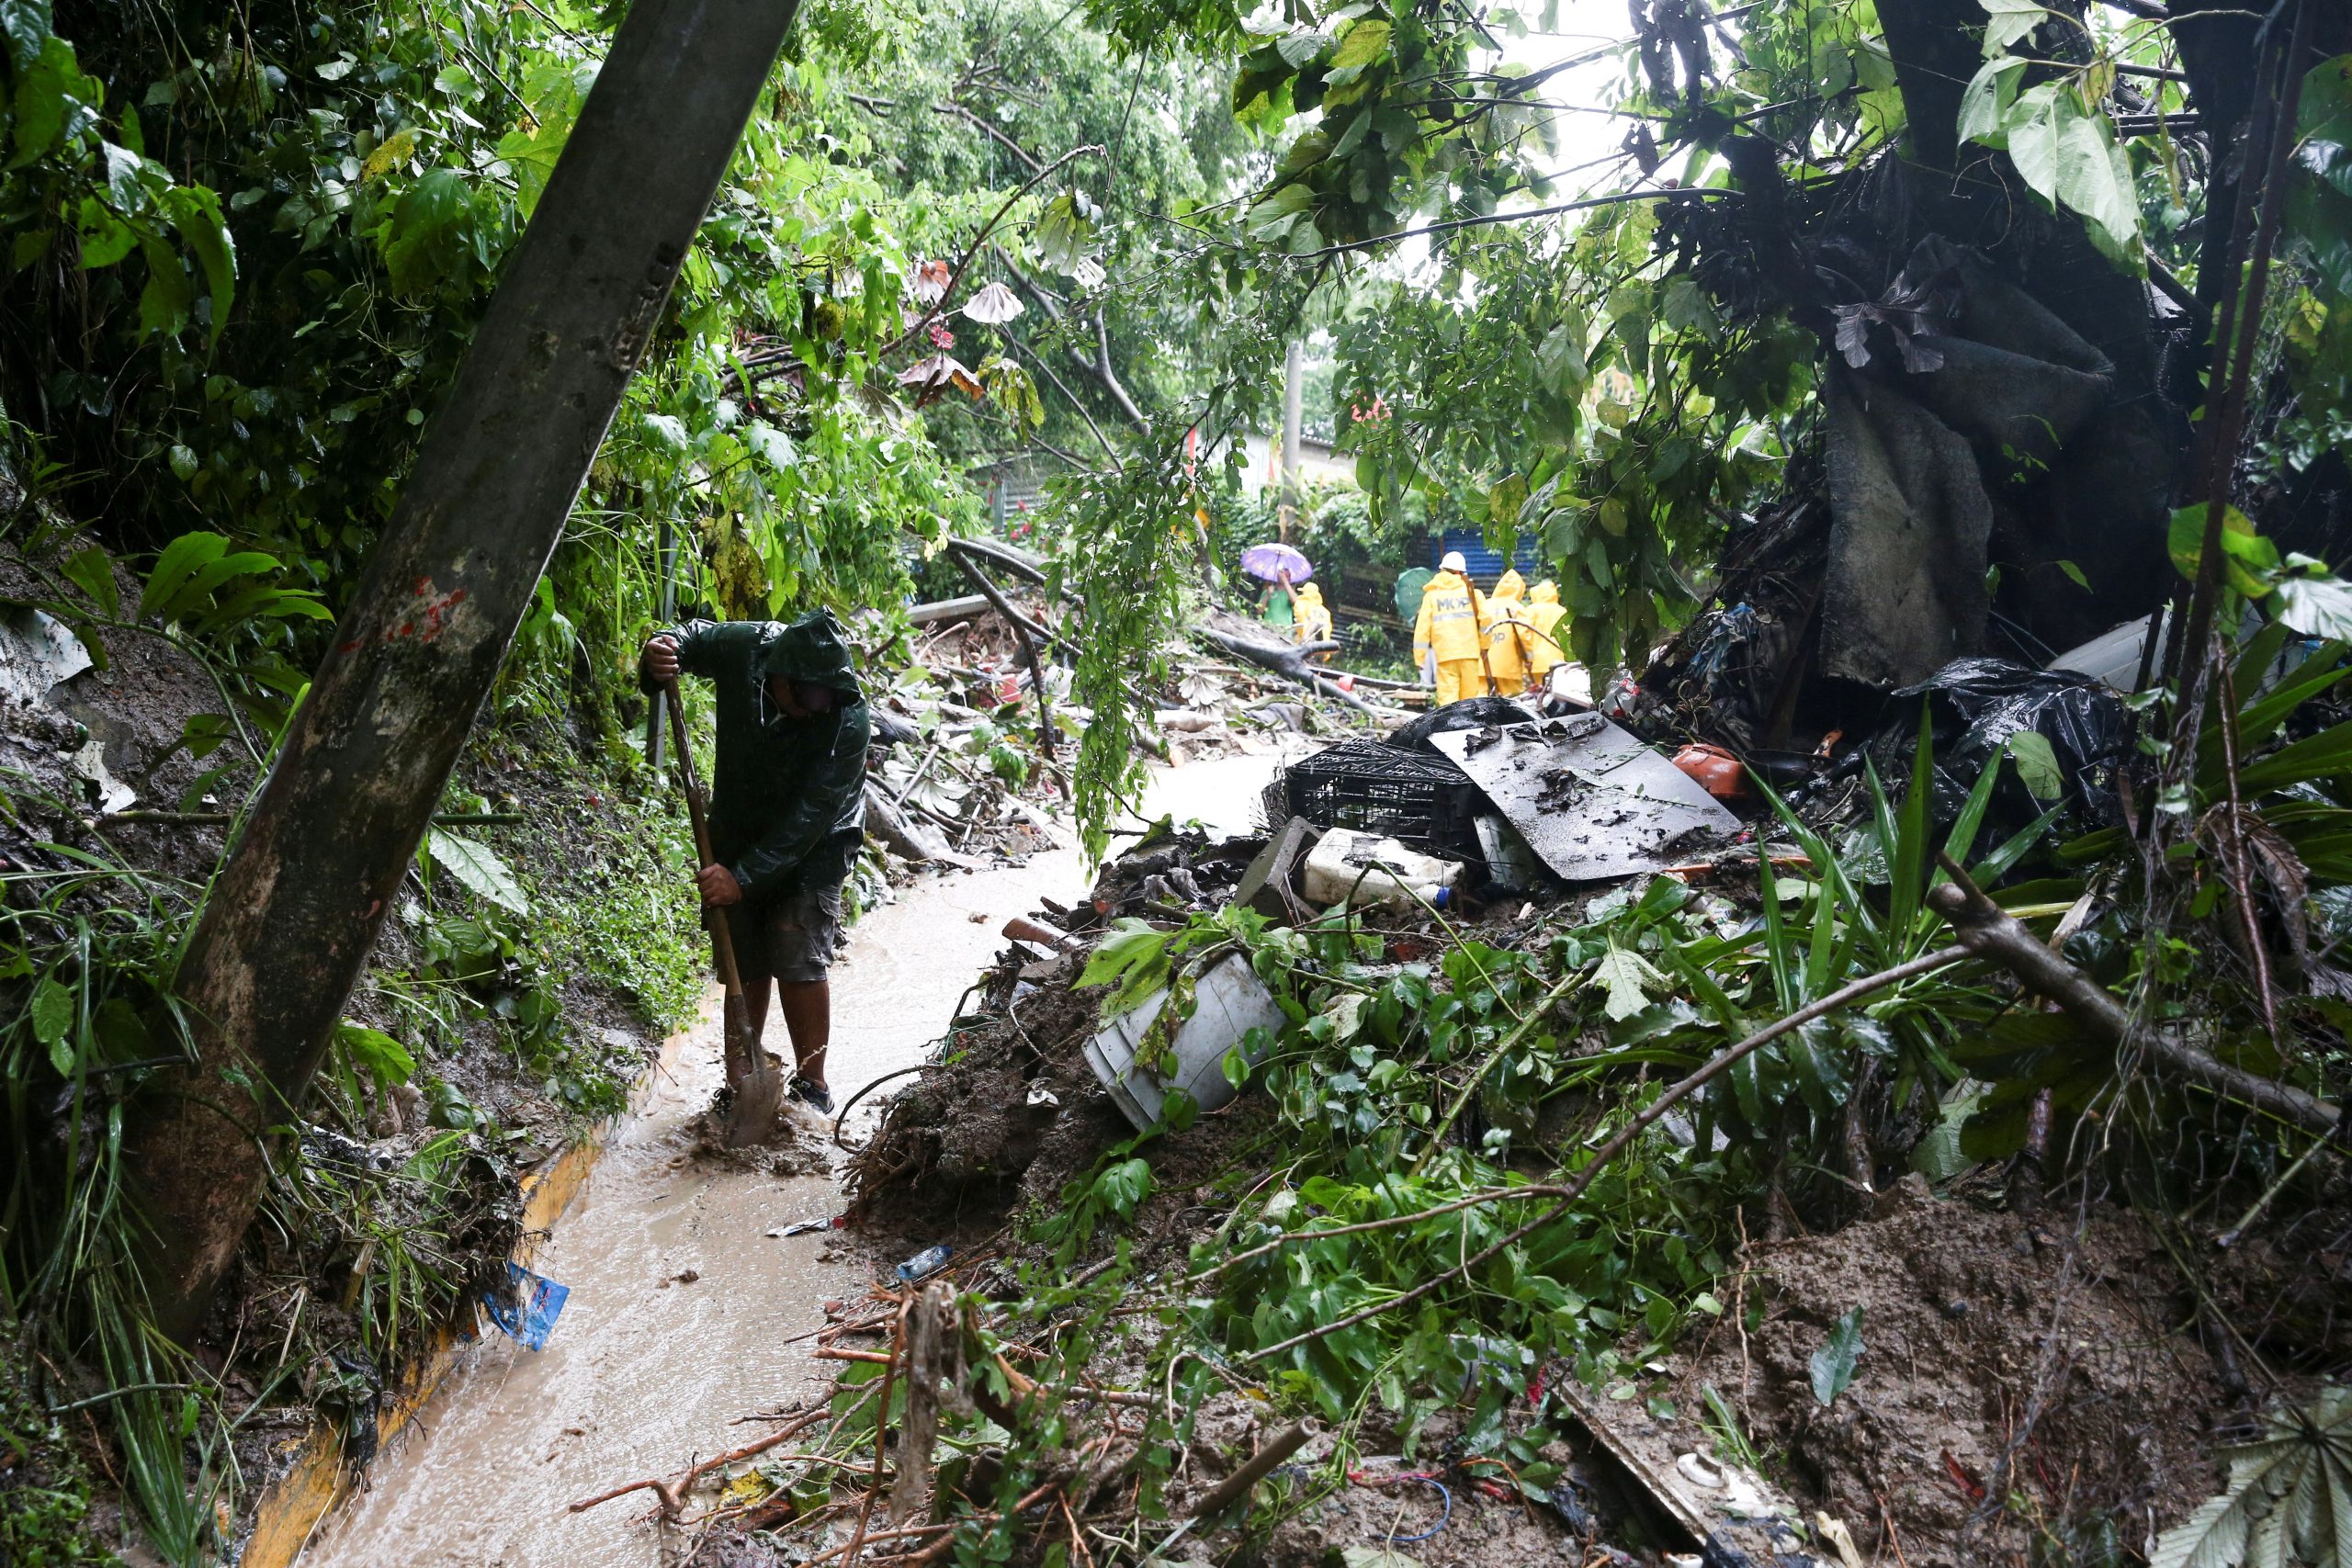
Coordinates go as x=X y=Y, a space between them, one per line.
x=300 y=1500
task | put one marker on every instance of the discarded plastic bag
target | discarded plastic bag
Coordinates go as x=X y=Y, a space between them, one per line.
x=528 y=1316
x=1975 y=709
x=1470 y=713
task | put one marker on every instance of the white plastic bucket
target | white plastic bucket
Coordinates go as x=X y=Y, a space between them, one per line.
x=1228 y=1003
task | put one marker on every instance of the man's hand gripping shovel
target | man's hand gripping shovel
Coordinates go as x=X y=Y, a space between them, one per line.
x=752 y=1073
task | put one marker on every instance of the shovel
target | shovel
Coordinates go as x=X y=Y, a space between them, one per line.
x=758 y=1086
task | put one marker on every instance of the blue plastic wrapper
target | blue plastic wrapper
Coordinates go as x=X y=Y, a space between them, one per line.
x=530 y=1317
x=929 y=1262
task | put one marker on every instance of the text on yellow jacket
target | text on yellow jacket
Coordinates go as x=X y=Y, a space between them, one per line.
x=1448 y=623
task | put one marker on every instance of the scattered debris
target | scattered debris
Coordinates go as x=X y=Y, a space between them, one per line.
x=1590 y=798
x=803 y=1227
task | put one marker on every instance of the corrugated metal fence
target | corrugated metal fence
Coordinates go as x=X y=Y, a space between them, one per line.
x=1486 y=565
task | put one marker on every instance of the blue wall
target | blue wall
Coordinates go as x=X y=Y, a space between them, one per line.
x=1484 y=565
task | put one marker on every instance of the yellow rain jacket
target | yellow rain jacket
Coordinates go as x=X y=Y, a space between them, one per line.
x=1544 y=612
x=1314 y=624
x=1510 y=639
x=1447 y=628
x=1448 y=623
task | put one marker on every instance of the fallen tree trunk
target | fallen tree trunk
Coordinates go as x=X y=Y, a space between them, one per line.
x=1289 y=661
x=1022 y=564
x=940 y=609
x=290 y=921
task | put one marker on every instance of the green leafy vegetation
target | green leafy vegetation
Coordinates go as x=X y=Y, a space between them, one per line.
x=246 y=245
x=45 y=1494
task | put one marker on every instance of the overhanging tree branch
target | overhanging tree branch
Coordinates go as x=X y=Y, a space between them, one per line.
x=1071 y=398
x=1588 y=203
x=1096 y=365
x=963 y=264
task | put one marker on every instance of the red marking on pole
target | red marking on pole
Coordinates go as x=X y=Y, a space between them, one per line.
x=424 y=622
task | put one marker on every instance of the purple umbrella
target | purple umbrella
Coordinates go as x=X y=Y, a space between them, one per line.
x=1267 y=562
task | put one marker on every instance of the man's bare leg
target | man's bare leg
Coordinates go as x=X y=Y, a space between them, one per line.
x=808 y=1006
x=755 y=1007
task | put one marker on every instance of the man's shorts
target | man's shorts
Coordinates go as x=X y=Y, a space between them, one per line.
x=791 y=939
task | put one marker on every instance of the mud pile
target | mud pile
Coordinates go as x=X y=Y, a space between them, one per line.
x=1011 y=1111
x=2000 y=1359
x=1011 y=1096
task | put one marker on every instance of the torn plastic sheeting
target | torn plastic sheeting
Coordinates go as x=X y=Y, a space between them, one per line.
x=1904 y=588
x=37 y=651
x=1588 y=797
x=1975 y=705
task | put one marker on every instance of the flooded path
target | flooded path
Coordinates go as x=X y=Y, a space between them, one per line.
x=644 y=1373
x=646 y=1370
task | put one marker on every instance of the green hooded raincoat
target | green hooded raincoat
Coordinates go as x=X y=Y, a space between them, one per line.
x=787 y=808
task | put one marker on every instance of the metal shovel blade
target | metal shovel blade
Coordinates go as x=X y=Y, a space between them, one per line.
x=755 y=1083
x=752 y=1114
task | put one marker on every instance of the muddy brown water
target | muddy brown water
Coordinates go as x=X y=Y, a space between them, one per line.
x=645 y=1373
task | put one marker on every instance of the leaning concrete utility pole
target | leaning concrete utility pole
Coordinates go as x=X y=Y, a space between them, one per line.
x=1293 y=488
x=282 y=937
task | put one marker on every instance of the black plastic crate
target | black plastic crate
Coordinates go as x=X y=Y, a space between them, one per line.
x=1417 y=800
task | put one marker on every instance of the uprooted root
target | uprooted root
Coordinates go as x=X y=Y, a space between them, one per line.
x=1011 y=1094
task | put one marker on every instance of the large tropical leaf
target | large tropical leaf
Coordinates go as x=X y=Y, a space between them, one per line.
x=479 y=867
x=2288 y=1501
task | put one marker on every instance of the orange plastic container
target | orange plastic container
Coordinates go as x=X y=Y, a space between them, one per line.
x=1719 y=772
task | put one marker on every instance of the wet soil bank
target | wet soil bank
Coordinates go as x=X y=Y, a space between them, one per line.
x=683 y=1307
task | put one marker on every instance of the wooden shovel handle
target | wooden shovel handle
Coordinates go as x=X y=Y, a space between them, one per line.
x=722 y=941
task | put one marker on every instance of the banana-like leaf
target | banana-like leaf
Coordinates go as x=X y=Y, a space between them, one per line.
x=2288 y=1501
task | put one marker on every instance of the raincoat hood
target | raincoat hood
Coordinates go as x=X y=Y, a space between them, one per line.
x=813 y=650
x=1309 y=594
x=1511 y=586
x=787 y=806
x=1545 y=593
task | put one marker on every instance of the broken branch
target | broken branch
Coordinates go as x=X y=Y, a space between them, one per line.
x=673 y=1495
x=1019 y=626
x=1992 y=934
x=1290 y=661
x=1234 y=1487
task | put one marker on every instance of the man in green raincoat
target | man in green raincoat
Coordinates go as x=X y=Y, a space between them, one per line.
x=787 y=811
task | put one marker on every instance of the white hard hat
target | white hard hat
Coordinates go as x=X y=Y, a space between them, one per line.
x=1454 y=562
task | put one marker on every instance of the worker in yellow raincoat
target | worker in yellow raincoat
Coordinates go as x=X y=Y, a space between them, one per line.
x=1545 y=650
x=1509 y=638
x=1314 y=619
x=1447 y=630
